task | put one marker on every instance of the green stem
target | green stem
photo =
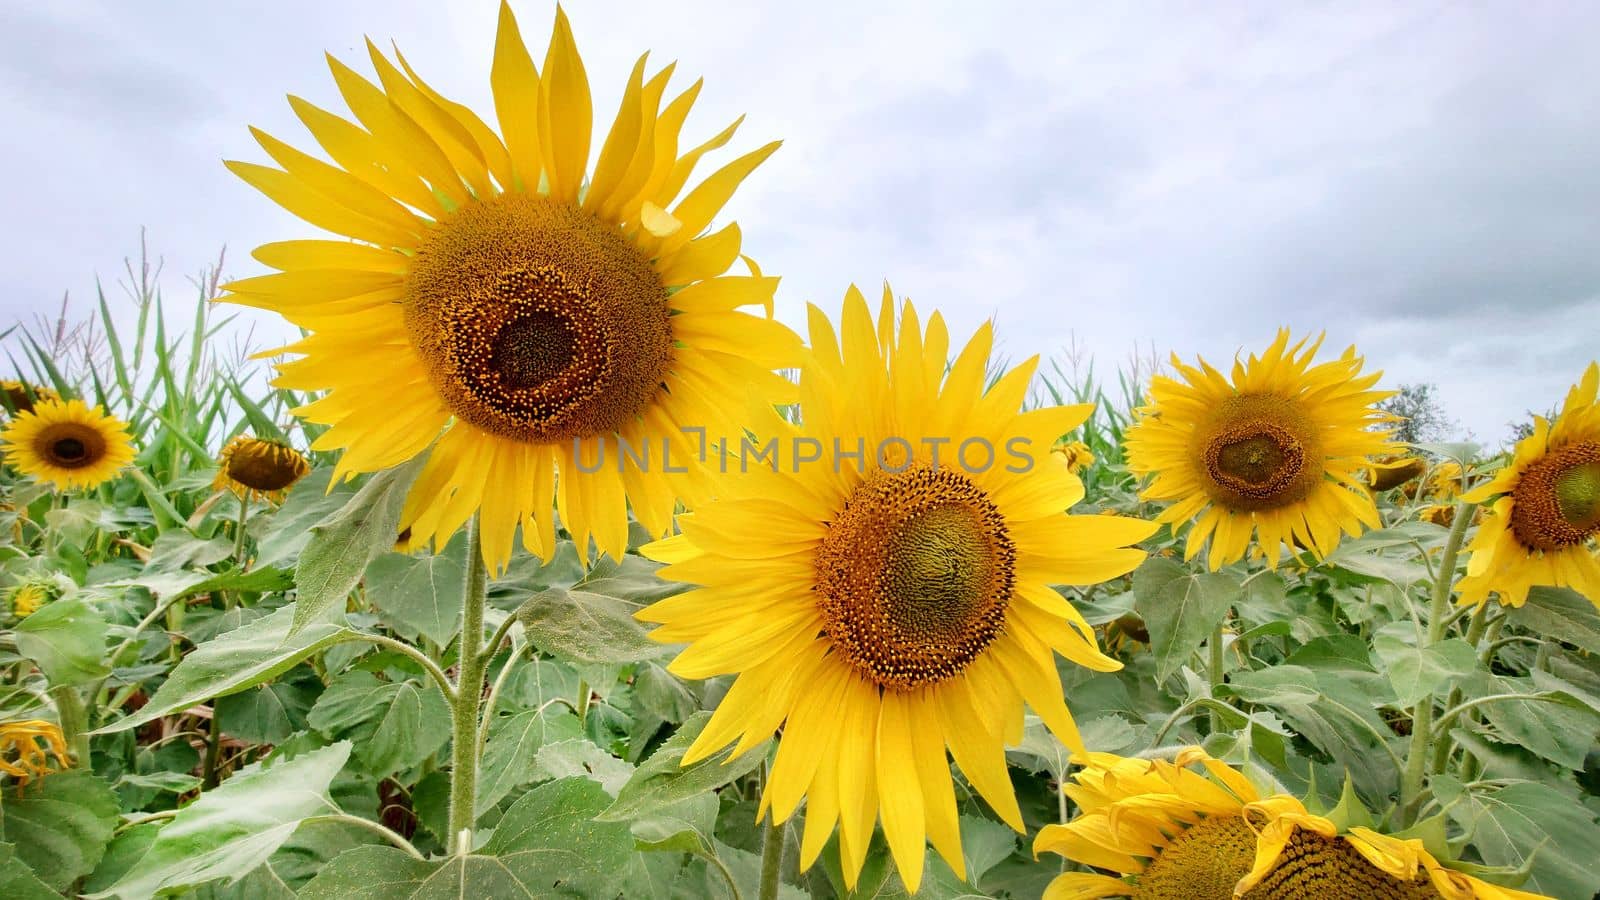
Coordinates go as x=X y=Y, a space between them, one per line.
x=466 y=702
x=238 y=534
x=771 y=858
x=74 y=722
x=208 y=774
x=582 y=709
x=422 y=659
x=1214 y=673
x=1447 y=744
x=377 y=828
x=1422 y=714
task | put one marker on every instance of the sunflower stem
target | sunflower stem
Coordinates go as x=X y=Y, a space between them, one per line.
x=468 y=698
x=238 y=534
x=582 y=709
x=1446 y=745
x=771 y=858
x=1422 y=714
x=1214 y=673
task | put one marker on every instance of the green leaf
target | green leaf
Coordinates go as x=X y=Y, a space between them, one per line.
x=60 y=825
x=242 y=658
x=1507 y=825
x=18 y=882
x=1416 y=672
x=345 y=542
x=236 y=826
x=582 y=758
x=984 y=843
x=420 y=595
x=1557 y=726
x=686 y=827
x=1180 y=609
x=662 y=781
x=1561 y=614
x=395 y=724
x=67 y=639
x=584 y=627
x=174 y=585
x=309 y=502
x=513 y=747
x=547 y=845
x=269 y=713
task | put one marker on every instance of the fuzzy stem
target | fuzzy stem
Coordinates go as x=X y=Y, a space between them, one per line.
x=1214 y=673
x=771 y=858
x=238 y=535
x=468 y=697
x=1422 y=713
x=209 y=779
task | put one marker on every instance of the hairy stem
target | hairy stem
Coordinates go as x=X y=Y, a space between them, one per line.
x=771 y=858
x=1214 y=673
x=1422 y=715
x=468 y=697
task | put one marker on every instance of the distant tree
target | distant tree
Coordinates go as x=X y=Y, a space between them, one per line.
x=1424 y=416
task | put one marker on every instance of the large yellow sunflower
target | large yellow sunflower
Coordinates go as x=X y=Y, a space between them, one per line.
x=1543 y=527
x=67 y=444
x=882 y=589
x=1173 y=833
x=545 y=334
x=1279 y=450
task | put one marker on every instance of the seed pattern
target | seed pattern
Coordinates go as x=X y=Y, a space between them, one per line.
x=262 y=465
x=1556 y=503
x=537 y=321
x=1259 y=452
x=1313 y=867
x=914 y=576
x=1203 y=862
x=70 y=445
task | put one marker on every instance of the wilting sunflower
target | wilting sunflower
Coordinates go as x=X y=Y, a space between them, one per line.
x=1173 y=833
x=545 y=334
x=886 y=595
x=250 y=464
x=1279 y=450
x=1076 y=454
x=67 y=444
x=1543 y=527
x=1393 y=470
x=26 y=748
x=20 y=395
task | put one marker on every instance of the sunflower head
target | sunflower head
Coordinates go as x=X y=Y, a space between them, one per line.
x=29 y=596
x=67 y=444
x=1393 y=470
x=1545 y=518
x=552 y=332
x=20 y=395
x=1170 y=832
x=1076 y=454
x=1278 y=450
x=883 y=590
x=268 y=467
x=32 y=748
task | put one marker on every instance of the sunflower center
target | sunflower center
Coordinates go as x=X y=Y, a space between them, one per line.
x=537 y=321
x=71 y=445
x=1258 y=452
x=1203 y=862
x=1314 y=867
x=914 y=576
x=1556 y=503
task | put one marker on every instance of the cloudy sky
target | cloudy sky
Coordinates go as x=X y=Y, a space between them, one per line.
x=1419 y=179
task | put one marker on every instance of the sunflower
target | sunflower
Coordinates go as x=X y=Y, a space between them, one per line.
x=1175 y=833
x=1394 y=470
x=1441 y=488
x=20 y=395
x=30 y=596
x=501 y=309
x=67 y=444
x=1076 y=454
x=883 y=589
x=250 y=464
x=33 y=741
x=1279 y=450
x=1543 y=527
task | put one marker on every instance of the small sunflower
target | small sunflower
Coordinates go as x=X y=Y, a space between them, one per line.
x=1394 y=470
x=1280 y=450
x=67 y=444
x=33 y=741
x=884 y=595
x=20 y=395
x=1173 y=833
x=1076 y=454
x=549 y=331
x=30 y=596
x=251 y=464
x=1444 y=484
x=1543 y=527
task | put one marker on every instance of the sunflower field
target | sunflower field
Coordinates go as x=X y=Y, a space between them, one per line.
x=551 y=563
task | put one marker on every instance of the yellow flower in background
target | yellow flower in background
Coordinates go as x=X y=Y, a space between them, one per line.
x=20 y=395
x=890 y=606
x=250 y=464
x=1175 y=833
x=26 y=748
x=1393 y=470
x=67 y=444
x=1542 y=529
x=1279 y=451
x=28 y=597
x=510 y=308
x=1076 y=454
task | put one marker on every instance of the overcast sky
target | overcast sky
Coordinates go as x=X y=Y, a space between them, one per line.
x=1419 y=179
